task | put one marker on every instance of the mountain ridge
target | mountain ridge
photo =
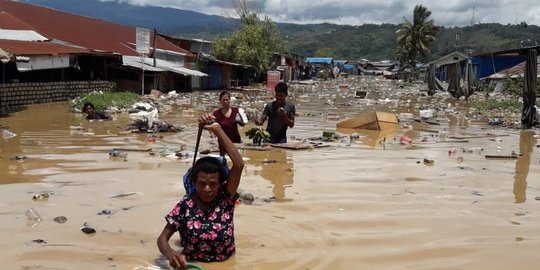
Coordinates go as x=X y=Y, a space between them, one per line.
x=368 y=41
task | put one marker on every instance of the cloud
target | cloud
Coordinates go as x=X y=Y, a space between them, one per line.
x=356 y=12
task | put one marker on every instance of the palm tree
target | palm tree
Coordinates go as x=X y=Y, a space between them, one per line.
x=414 y=38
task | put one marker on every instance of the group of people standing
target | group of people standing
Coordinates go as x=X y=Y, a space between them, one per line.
x=204 y=217
x=280 y=114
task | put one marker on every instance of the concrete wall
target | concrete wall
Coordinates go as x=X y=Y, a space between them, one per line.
x=15 y=95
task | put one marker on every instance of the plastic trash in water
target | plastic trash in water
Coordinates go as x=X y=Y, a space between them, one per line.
x=426 y=114
x=116 y=154
x=33 y=217
x=404 y=139
x=472 y=150
x=8 y=134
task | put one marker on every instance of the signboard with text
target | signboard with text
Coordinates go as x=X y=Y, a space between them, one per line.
x=272 y=79
x=142 y=39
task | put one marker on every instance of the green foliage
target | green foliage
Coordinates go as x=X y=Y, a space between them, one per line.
x=514 y=86
x=498 y=107
x=258 y=134
x=414 y=38
x=378 y=42
x=253 y=44
x=325 y=52
x=104 y=100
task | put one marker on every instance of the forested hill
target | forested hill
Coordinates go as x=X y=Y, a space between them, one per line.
x=373 y=42
x=378 y=42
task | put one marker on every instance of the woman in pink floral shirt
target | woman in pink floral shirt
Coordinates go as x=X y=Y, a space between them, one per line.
x=204 y=219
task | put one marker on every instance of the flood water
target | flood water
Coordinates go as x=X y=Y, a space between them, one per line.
x=371 y=203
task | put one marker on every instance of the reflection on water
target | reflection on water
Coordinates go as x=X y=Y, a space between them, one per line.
x=372 y=138
x=275 y=166
x=526 y=144
x=46 y=133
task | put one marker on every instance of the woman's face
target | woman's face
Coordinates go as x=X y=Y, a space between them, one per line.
x=207 y=186
x=225 y=101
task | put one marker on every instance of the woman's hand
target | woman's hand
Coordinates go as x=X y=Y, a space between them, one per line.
x=207 y=121
x=177 y=260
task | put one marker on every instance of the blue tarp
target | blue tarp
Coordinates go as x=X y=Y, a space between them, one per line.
x=314 y=60
x=348 y=66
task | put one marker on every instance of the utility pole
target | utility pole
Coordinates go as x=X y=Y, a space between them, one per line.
x=473 y=11
x=202 y=43
x=155 y=46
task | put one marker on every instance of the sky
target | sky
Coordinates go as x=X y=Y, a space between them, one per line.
x=357 y=12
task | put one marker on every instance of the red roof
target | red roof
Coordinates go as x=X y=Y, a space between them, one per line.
x=38 y=48
x=91 y=33
x=7 y=21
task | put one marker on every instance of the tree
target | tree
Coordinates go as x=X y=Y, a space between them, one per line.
x=253 y=43
x=414 y=38
x=325 y=52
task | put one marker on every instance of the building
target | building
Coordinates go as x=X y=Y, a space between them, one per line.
x=129 y=70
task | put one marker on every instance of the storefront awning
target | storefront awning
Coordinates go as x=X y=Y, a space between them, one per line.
x=40 y=62
x=161 y=66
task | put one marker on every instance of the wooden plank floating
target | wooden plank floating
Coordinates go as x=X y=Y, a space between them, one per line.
x=477 y=136
x=370 y=120
x=501 y=157
x=249 y=146
x=427 y=122
x=299 y=145
x=133 y=149
x=426 y=130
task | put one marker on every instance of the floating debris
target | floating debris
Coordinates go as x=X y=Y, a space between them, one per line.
x=245 y=197
x=122 y=195
x=106 y=212
x=39 y=241
x=87 y=229
x=20 y=157
x=117 y=155
x=429 y=162
x=7 y=134
x=33 y=215
x=44 y=195
x=60 y=219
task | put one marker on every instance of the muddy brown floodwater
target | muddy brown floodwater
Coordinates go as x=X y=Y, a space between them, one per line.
x=370 y=203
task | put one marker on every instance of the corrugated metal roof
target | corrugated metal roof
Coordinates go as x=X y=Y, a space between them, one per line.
x=8 y=21
x=161 y=65
x=516 y=71
x=22 y=35
x=448 y=59
x=315 y=60
x=38 y=48
x=86 y=32
x=211 y=58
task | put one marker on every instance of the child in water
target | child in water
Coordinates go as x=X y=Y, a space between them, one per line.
x=92 y=114
x=204 y=218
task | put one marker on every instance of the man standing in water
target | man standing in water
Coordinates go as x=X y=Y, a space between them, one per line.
x=280 y=114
